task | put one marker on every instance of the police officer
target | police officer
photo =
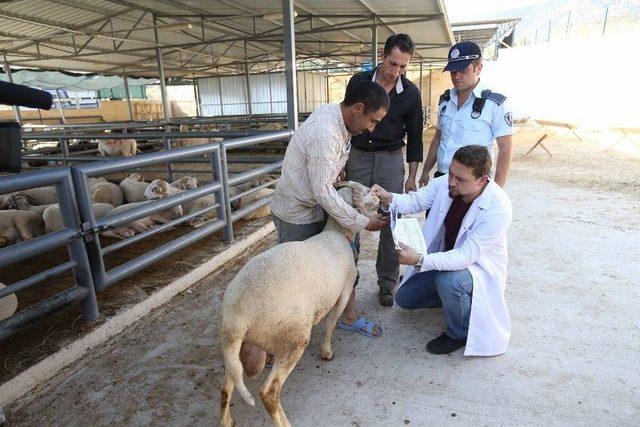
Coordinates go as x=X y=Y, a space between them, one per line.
x=469 y=114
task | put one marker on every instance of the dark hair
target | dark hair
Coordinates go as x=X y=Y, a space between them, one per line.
x=402 y=42
x=370 y=93
x=476 y=157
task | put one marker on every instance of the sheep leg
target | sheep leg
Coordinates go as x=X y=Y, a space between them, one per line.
x=325 y=349
x=270 y=391
x=225 y=400
x=22 y=225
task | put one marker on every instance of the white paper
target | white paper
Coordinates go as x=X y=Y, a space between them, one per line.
x=409 y=232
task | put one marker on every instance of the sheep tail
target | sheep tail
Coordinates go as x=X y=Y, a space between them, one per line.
x=233 y=364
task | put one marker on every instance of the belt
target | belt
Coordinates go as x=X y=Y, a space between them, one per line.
x=375 y=149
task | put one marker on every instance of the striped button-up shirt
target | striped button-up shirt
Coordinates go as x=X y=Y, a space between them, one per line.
x=315 y=156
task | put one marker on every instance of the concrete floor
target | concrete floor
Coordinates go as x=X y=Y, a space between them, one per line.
x=574 y=356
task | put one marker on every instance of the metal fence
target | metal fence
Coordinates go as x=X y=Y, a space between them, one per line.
x=81 y=233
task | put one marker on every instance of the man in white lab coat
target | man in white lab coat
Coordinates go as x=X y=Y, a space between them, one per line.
x=465 y=268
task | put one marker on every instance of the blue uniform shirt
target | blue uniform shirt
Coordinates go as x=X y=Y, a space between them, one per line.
x=458 y=128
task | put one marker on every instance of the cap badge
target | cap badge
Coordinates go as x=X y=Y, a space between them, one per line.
x=455 y=53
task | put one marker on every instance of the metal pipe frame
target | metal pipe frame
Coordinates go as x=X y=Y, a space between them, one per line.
x=290 y=63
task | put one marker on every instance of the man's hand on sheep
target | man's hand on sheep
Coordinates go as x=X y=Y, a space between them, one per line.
x=377 y=223
x=407 y=255
x=384 y=196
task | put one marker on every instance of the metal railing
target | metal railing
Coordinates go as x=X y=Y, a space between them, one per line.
x=81 y=232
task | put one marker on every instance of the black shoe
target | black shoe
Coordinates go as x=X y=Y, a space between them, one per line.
x=386 y=297
x=444 y=344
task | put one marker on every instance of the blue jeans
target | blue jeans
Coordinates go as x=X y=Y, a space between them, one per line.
x=451 y=290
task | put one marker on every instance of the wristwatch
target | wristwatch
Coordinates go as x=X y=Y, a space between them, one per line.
x=418 y=265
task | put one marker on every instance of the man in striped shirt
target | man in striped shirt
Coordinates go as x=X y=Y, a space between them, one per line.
x=316 y=154
x=305 y=194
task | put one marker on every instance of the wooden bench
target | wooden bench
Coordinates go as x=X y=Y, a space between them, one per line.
x=627 y=133
x=546 y=124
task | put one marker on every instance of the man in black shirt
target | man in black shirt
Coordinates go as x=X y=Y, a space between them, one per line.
x=376 y=157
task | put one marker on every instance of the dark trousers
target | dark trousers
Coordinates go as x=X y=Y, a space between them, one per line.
x=385 y=168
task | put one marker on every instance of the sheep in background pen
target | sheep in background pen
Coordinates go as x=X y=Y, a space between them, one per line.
x=103 y=191
x=52 y=216
x=133 y=187
x=8 y=304
x=159 y=189
x=18 y=226
x=142 y=224
x=117 y=147
x=279 y=295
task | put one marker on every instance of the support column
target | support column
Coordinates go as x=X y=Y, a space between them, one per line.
x=127 y=94
x=420 y=77
x=163 y=88
x=197 y=96
x=16 y=110
x=374 y=44
x=246 y=79
x=290 y=62
x=64 y=119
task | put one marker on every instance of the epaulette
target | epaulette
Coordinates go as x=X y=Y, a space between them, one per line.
x=496 y=97
x=445 y=97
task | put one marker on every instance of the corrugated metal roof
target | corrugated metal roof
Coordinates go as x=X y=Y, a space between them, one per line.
x=107 y=35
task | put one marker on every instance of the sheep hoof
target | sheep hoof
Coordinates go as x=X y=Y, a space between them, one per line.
x=327 y=354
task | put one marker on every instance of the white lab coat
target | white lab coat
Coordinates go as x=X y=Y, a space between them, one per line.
x=481 y=246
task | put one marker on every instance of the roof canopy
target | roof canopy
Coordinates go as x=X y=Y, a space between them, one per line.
x=203 y=38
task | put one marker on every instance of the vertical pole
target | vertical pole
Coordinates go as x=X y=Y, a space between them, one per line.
x=197 y=95
x=89 y=226
x=290 y=63
x=566 y=32
x=7 y=70
x=374 y=44
x=163 y=88
x=127 y=94
x=420 y=77
x=222 y=176
x=76 y=249
x=549 y=32
x=220 y=95
x=604 y=24
x=64 y=120
x=246 y=77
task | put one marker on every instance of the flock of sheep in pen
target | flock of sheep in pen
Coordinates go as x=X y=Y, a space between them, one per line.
x=29 y=213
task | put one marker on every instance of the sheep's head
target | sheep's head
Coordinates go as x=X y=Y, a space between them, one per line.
x=184 y=128
x=185 y=183
x=156 y=190
x=20 y=202
x=361 y=199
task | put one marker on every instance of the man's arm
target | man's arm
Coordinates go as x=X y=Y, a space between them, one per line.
x=431 y=159
x=414 y=122
x=504 y=158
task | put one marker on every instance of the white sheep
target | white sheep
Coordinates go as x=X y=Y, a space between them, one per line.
x=25 y=203
x=271 y=126
x=117 y=147
x=279 y=295
x=103 y=191
x=159 y=189
x=260 y=194
x=40 y=195
x=8 y=304
x=188 y=142
x=133 y=187
x=52 y=216
x=142 y=224
x=17 y=226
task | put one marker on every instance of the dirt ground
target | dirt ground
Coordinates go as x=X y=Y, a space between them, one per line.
x=572 y=293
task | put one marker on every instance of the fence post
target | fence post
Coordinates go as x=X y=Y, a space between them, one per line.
x=76 y=248
x=224 y=175
x=89 y=226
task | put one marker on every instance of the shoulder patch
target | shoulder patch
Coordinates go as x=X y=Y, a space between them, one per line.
x=443 y=109
x=496 y=97
x=445 y=97
x=508 y=119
